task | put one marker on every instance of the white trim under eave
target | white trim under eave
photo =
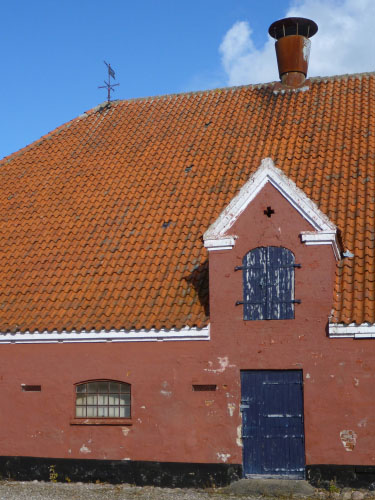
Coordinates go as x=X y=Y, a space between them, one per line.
x=322 y=238
x=351 y=331
x=152 y=335
x=215 y=238
x=220 y=244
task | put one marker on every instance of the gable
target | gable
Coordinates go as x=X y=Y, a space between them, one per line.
x=219 y=237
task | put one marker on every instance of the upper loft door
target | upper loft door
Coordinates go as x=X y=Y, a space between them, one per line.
x=272 y=423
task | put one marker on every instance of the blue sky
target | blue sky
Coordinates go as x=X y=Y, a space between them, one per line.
x=53 y=50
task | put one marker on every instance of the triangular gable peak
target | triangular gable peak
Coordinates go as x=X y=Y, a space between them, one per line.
x=325 y=232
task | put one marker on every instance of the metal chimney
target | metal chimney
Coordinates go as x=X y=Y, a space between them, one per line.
x=293 y=48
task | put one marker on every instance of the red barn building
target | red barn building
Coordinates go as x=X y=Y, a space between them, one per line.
x=187 y=286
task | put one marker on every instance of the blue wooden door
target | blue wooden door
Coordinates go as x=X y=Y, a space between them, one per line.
x=272 y=422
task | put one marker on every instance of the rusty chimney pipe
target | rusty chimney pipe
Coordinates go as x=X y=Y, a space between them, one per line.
x=293 y=48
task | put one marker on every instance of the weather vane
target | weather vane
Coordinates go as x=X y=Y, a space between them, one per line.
x=108 y=85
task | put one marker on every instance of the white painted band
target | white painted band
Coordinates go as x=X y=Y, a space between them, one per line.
x=351 y=331
x=152 y=335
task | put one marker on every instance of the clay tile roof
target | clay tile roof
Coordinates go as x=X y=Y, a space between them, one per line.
x=101 y=221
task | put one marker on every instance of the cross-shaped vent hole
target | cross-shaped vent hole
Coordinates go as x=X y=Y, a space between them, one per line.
x=269 y=212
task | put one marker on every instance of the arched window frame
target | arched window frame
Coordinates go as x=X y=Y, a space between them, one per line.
x=268 y=283
x=102 y=399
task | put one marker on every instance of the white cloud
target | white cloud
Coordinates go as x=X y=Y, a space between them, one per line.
x=242 y=62
x=203 y=81
x=343 y=44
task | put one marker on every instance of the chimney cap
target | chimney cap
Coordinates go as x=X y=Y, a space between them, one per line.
x=293 y=26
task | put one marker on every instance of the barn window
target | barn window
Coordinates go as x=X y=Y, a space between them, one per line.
x=103 y=399
x=268 y=284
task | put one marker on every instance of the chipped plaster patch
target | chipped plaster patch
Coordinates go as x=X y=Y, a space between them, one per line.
x=239 y=436
x=223 y=456
x=223 y=363
x=362 y=423
x=125 y=430
x=348 y=439
x=356 y=382
x=164 y=392
x=84 y=449
x=209 y=402
x=231 y=408
x=308 y=375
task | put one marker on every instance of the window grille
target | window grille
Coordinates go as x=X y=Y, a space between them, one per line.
x=103 y=399
x=268 y=284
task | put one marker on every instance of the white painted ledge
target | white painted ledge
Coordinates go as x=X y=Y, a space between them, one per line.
x=351 y=331
x=226 y=243
x=322 y=238
x=153 y=335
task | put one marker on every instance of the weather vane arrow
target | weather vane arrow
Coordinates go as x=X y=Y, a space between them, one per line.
x=108 y=85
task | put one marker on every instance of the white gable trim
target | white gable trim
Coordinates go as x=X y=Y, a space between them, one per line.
x=351 y=331
x=154 y=335
x=215 y=238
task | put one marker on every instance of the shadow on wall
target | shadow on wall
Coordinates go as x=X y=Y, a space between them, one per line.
x=198 y=279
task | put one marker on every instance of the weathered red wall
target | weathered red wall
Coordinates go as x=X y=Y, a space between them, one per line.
x=338 y=373
x=172 y=423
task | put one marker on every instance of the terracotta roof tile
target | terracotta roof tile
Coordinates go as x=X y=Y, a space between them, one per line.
x=101 y=220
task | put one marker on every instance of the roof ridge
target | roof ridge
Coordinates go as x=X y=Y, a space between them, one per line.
x=231 y=88
x=116 y=102
x=342 y=76
x=194 y=92
x=107 y=104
